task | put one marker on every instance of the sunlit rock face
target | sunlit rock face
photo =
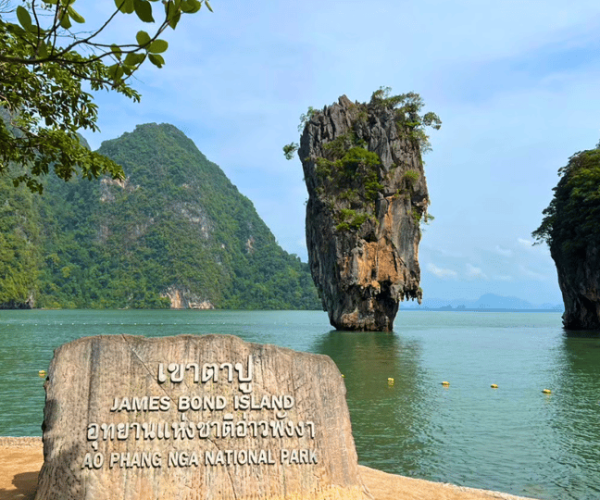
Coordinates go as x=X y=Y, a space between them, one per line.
x=363 y=213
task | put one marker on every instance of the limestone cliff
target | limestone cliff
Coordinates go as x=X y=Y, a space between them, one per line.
x=580 y=287
x=571 y=227
x=367 y=198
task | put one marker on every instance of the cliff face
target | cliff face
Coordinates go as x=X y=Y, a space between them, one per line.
x=367 y=197
x=580 y=287
x=571 y=227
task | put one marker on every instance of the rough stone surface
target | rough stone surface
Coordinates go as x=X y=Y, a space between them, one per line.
x=363 y=274
x=92 y=383
x=579 y=283
x=182 y=298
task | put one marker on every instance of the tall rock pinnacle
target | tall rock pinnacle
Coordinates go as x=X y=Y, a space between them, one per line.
x=367 y=199
x=571 y=227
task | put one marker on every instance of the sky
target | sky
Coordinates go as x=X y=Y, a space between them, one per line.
x=515 y=84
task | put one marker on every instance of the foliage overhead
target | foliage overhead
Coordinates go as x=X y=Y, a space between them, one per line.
x=48 y=54
x=572 y=220
x=174 y=222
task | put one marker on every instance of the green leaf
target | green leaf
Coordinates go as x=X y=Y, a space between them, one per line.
x=143 y=10
x=23 y=16
x=142 y=38
x=157 y=60
x=158 y=46
x=42 y=50
x=78 y=18
x=65 y=21
x=112 y=71
x=34 y=29
x=190 y=6
x=116 y=50
x=174 y=20
x=15 y=29
x=208 y=5
x=125 y=6
x=134 y=59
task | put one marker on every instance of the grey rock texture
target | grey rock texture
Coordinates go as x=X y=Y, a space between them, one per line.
x=91 y=411
x=363 y=271
x=579 y=283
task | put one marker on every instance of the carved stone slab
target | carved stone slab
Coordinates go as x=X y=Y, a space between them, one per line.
x=194 y=417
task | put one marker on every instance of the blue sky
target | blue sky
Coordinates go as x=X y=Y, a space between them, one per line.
x=514 y=82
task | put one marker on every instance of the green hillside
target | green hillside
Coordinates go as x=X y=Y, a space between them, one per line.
x=176 y=230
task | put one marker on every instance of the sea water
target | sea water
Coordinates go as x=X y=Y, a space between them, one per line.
x=513 y=439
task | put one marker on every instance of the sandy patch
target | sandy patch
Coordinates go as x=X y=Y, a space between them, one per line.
x=21 y=460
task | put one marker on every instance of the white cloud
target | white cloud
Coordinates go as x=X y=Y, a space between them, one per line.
x=475 y=272
x=440 y=272
x=528 y=244
x=505 y=252
x=502 y=277
x=525 y=271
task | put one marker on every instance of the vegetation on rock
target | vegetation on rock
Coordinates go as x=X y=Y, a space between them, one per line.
x=175 y=223
x=349 y=171
x=571 y=227
x=572 y=220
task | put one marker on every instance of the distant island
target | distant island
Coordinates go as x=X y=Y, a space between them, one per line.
x=487 y=302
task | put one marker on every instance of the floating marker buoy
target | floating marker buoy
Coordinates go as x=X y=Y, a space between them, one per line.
x=42 y=373
x=343 y=376
x=390 y=381
x=547 y=391
x=494 y=386
x=446 y=383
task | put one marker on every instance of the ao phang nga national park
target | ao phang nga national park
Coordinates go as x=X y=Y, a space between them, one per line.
x=299 y=250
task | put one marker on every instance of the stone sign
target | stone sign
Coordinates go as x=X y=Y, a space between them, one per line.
x=194 y=417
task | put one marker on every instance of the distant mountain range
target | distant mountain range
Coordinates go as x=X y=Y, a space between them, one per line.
x=487 y=301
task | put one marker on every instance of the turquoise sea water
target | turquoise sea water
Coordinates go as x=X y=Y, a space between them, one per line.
x=513 y=439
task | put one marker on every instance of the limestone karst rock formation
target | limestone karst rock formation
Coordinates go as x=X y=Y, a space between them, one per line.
x=571 y=227
x=367 y=199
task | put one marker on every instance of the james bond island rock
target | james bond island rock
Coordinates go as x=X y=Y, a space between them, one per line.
x=571 y=227
x=195 y=417
x=367 y=199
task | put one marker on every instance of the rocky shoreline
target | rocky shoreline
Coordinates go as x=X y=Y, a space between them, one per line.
x=21 y=459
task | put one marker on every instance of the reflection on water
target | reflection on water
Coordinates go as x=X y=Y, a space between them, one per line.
x=387 y=420
x=576 y=423
x=513 y=439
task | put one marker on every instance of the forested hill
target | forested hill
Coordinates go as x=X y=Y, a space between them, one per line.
x=175 y=233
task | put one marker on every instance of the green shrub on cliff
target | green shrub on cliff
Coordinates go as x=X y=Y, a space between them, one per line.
x=572 y=220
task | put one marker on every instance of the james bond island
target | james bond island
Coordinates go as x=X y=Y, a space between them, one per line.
x=195 y=417
x=367 y=200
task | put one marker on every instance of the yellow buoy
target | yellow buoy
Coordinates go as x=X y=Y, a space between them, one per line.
x=547 y=391
x=343 y=376
x=446 y=383
x=42 y=373
x=494 y=386
x=390 y=381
